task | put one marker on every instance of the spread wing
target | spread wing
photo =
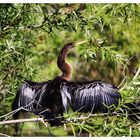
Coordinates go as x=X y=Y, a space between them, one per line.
x=29 y=96
x=95 y=96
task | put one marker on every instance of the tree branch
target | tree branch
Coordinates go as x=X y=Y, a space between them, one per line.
x=1 y=134
x=21 y=121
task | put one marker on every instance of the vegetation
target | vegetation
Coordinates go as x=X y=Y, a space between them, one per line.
x=31 y=38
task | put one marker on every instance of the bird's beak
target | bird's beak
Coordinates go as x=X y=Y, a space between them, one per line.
x=81 y=42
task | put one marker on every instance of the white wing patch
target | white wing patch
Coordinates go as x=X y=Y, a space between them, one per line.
x=28 y=92
x=65 y=97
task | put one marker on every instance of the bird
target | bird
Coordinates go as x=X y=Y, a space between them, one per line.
x=52 y=98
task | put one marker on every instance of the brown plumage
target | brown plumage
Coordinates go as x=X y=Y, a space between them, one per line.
x=64 y=66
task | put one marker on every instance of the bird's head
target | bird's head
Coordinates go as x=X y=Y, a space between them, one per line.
x=74 y=44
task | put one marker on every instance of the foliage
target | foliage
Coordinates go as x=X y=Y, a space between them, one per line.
x=33 y=34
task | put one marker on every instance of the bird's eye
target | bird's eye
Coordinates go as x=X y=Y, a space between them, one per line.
x=93 y=56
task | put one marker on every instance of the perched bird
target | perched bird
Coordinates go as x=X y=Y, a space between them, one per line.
x=52 y=98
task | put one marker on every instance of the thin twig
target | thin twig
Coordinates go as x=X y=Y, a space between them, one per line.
x=97 y=115
x=5 y=135
x=21 y=121
x=124 y=70
x=137 y=73
x=47 y=127
x=12 y=112
x=44 y=123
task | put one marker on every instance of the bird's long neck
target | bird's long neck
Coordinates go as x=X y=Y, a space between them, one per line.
x=62 y=64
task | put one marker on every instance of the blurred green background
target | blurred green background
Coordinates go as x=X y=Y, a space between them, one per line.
x=31 y=36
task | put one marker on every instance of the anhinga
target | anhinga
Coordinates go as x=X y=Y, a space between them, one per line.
x=51 y=98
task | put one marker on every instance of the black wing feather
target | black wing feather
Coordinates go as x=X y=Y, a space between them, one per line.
x=29 y=96
x=80 y=100
x=92 y=102
x=95 y=96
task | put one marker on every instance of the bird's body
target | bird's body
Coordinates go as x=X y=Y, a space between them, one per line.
x=55 y=97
